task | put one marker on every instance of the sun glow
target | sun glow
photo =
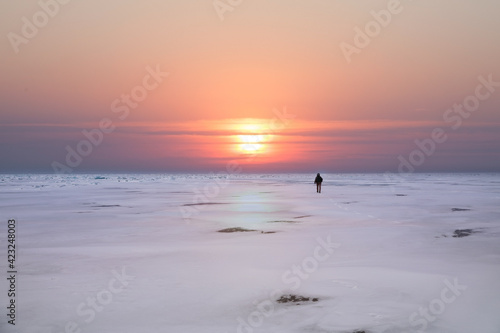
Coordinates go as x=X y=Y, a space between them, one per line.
x=254 y=136
x=251 y=143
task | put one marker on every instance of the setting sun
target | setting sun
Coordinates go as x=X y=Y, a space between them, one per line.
x=251 y=143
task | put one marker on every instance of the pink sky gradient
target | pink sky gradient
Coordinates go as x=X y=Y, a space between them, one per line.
x=361 y=115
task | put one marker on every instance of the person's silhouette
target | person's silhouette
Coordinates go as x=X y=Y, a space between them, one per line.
x=318 y=182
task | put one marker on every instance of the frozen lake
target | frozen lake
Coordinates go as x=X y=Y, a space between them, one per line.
x=142 y=253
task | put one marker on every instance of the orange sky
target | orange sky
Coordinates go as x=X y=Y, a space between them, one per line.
x=350 y=113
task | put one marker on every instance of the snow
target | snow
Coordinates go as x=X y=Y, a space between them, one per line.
x=141 y=253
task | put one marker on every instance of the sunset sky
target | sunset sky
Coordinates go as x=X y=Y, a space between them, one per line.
x=275 y=85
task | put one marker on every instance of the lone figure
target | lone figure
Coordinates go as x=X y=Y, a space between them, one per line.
x=318 y=182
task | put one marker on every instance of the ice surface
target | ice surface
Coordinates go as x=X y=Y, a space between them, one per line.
x=145 y=249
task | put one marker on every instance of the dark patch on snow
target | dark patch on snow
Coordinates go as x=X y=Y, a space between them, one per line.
x=106 y=206
x=295 y=299
x=401 y=195
x=206 y=203
x=237 y=229
x=459 y=233
x=282 y=221
x=460 y=209
x=301 y=217
x=100 y=177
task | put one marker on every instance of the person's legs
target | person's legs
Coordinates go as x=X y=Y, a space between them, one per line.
x=319 y=186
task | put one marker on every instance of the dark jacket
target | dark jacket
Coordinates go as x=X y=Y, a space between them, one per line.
x=318 y=179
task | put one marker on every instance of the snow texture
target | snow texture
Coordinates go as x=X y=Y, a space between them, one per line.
x=142 y=253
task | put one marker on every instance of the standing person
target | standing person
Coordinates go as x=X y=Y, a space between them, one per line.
x=318 y=182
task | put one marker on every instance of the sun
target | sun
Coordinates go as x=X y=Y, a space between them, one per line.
x=251 y=143
x=252 y=136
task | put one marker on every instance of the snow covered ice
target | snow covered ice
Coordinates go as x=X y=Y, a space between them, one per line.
x=142 y=253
